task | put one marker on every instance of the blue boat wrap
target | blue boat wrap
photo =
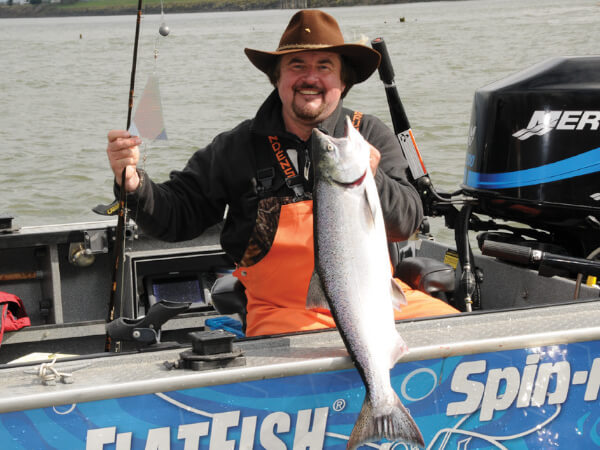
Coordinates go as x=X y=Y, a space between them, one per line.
x=520 y=399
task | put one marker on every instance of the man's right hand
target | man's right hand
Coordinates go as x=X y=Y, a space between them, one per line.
x=123 y=153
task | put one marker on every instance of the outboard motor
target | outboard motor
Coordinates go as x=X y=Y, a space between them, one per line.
x=534 y=156
x=533 y=161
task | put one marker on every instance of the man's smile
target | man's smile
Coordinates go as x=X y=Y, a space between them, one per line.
x=308 y=92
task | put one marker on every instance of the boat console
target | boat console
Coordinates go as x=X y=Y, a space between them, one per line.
x=62 y=273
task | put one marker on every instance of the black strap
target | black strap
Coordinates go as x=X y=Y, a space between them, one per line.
x=292 y=179
x=265 y=173
x=265 y=178
x=269 y=152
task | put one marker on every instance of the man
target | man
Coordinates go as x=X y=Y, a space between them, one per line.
x=262 y=171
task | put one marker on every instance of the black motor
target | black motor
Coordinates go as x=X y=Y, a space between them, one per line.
x=534 y=151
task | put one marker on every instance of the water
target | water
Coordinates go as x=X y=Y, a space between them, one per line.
x=64 y=83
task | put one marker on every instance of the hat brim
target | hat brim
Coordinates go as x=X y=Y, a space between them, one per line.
x=363 y=59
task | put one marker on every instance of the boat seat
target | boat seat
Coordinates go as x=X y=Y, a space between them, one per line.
x=426 y=274
x=228 y=296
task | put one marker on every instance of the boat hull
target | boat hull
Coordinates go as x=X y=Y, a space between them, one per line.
x=511 y=388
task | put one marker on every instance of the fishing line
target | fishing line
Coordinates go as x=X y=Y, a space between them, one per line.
x=146 y=124
x=163 y=29
x=147 y=109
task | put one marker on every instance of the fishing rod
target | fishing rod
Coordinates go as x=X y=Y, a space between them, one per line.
x=119 y=249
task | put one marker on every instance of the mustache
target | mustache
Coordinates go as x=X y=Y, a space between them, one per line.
x=308 y=86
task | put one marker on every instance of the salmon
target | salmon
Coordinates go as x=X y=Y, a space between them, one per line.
x=353 y=279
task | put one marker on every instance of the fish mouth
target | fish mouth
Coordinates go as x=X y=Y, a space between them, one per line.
x=354 y=183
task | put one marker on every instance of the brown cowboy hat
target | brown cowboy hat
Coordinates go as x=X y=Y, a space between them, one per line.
x=315 y=30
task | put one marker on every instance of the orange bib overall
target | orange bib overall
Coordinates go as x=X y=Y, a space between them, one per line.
x=277 y=285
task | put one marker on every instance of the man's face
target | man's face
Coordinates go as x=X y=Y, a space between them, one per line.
x=310 y=86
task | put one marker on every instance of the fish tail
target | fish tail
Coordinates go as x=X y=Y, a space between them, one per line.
x=398 y=425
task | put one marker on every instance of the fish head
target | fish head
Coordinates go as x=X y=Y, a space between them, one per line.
x=344 y=160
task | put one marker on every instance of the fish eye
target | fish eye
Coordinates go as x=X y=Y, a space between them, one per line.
x=330 y=147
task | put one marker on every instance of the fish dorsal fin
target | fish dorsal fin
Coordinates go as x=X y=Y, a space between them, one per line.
x=316 y=297
x=398 y=297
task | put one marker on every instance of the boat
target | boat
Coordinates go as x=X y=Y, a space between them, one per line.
x=518 y=367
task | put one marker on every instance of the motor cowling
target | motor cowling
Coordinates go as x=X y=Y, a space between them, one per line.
x=534 y=148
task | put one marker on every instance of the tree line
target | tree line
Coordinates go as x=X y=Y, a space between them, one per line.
x=42 y=8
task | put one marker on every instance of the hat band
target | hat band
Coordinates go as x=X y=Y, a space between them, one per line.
x=303 y=46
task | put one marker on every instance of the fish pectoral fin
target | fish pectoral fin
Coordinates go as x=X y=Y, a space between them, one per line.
x=316 y=297
x=372 y=201
x=398 y=297
x=399 y=349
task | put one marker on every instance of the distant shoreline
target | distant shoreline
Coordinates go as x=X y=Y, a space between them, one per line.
x=50 y=10
x=152 y=7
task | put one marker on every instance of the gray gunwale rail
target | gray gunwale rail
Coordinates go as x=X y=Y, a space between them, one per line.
x=273 y=357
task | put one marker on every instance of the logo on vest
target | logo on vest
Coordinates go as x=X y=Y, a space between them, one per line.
x=284 y=162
